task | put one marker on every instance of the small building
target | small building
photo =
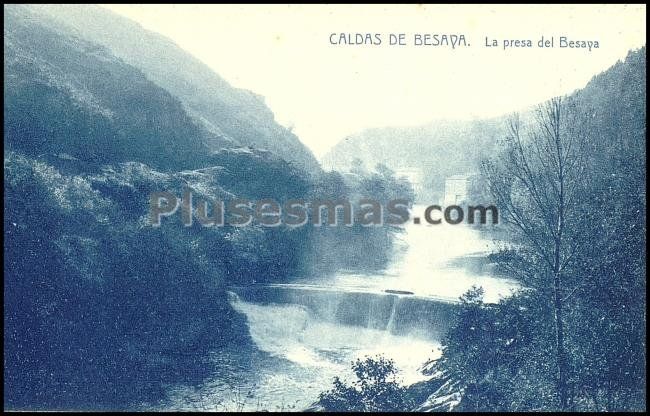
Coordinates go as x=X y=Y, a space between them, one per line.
x=456 y=189
x=414 y=176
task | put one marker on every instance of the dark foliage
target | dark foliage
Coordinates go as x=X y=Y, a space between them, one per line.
x=376 y=389
x=505 y=356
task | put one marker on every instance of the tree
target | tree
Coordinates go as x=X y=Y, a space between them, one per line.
x=578 y=167
x=537 y=182
x=490 y=354
x=376 y=389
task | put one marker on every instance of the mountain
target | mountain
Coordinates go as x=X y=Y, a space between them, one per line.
x=443 y=148
x=101 y=309
x=236 y=116
x=69 y=99
x=437 y=150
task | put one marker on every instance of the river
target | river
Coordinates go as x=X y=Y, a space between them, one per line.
x=316 y=327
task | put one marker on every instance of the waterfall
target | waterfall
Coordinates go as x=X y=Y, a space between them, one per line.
x=390 y=326
x=312 y=339
x=426 y=318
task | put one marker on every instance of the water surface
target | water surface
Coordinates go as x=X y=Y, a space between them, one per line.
x=309 y=331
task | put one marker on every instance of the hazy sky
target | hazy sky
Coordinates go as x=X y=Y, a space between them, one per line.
x=329 y=91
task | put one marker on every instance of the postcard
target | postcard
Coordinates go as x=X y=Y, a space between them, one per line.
x=325 y=207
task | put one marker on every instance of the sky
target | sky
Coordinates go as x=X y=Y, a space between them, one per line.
x=327 y=91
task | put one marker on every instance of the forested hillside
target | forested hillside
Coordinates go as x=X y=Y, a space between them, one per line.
x=571 y=186
x=238 y=117
x=102 y=310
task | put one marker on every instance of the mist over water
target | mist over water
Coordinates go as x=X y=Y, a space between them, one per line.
x=310 y=331
x=433 y=261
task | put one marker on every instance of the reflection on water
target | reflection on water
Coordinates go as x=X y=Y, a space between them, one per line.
x=308 y=332
x=424 y=264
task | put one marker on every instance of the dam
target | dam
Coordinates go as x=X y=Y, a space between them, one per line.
x=398 y=314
